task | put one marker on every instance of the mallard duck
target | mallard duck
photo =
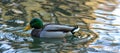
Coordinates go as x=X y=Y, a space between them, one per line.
x=50 y=30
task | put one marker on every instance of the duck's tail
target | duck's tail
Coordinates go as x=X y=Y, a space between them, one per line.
x=76 y=29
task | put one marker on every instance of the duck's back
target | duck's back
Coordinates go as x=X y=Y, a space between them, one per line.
x=55 y=31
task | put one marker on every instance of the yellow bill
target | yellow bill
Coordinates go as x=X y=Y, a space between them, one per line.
x=27 y=27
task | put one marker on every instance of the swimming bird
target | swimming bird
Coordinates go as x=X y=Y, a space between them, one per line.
x=50 y=30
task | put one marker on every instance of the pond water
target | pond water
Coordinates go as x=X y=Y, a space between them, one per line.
x=11 y=43
x=108 y=41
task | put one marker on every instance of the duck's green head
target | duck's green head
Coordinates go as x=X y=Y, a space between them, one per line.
x=35 y=23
